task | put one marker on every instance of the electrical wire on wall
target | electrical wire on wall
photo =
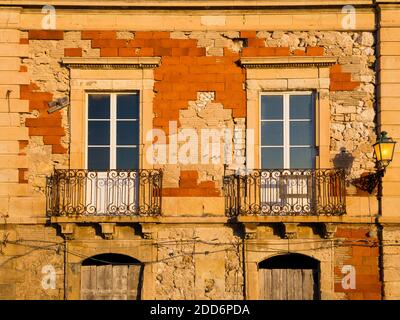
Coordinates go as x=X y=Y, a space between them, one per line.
x=55 y=246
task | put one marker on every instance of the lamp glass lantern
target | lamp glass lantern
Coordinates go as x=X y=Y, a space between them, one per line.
x=384 y=150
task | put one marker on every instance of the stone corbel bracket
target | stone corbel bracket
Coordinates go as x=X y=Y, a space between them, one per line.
x=287 y=62
x=250 y=230
x=148 y=230
x=107 y=230
x=112 y=63
x=68 y=230
x=290 y=230
x=329 y=230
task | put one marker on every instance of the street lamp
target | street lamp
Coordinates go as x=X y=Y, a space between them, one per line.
x=383 y=153
x=384 y=150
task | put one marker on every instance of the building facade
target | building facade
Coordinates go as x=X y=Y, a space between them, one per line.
x=198 y=149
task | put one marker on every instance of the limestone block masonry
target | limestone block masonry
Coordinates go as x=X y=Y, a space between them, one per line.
x=193 y=250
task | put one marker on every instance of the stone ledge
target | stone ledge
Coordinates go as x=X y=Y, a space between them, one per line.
x=304 y=219
x=200 y=3
x=389 y=220
x=212 y=220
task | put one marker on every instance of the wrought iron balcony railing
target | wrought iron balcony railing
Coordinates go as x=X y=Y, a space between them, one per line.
x=104 y=193
x=284 y=192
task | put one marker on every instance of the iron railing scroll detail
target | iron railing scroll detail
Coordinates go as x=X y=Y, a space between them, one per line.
x=285 y=192
x=104 y=193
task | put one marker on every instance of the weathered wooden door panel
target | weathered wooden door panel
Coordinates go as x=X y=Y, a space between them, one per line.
x=294 y=284
x=120 y=283
x=88 y=283
x=287 y=284
x=134 y=283
x=265 y=284
x=104 y=282
x=279 y=284
x=110 y=282
x=308 y=284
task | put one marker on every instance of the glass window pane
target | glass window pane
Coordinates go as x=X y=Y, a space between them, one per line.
x=99 y=106
x=271 y=107
x=302 y=158
x=271 y=158
x=272 y=133
x=128 y=106
x=127 y=132
x=301 y=107
x=127 y=158
x=301 y=133
x=98 y=158
x=99 y=133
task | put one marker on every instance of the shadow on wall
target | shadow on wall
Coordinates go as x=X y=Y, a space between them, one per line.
x=343 y=160
x=367 y=181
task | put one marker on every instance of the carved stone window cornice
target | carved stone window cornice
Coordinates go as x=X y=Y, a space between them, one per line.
x=112 y=63
x=287 y=62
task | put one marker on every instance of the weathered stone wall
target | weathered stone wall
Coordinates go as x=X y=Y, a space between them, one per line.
x=26 y=258
x=49 y=80
x=196 y=62
x=200 y=85
x=191 y=262
x=391 y=262
x=199 y=263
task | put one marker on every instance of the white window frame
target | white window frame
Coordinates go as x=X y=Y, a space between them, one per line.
x=113 y=126
x=286 y=124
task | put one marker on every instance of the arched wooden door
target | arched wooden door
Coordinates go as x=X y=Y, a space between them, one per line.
x=289 y=277
x=111 y=277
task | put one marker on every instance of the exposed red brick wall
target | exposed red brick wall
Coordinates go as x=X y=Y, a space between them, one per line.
x=188 y=187
x=73 y=52
x=22 y=145
x=22 y=172
x=89 y=35
x=362 y=253
x=22 y=175
x=341 y=81
x=47 y=125
x=46 y=34
x=185 y=69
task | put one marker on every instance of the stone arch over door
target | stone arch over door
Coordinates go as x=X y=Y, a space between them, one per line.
x=111 y=276
x=289 y=277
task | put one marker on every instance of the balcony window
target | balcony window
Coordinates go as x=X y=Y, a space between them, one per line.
x=287 y=131
x=113 y=131
x=287 y=141
x=288 y=182
x=112 y=183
